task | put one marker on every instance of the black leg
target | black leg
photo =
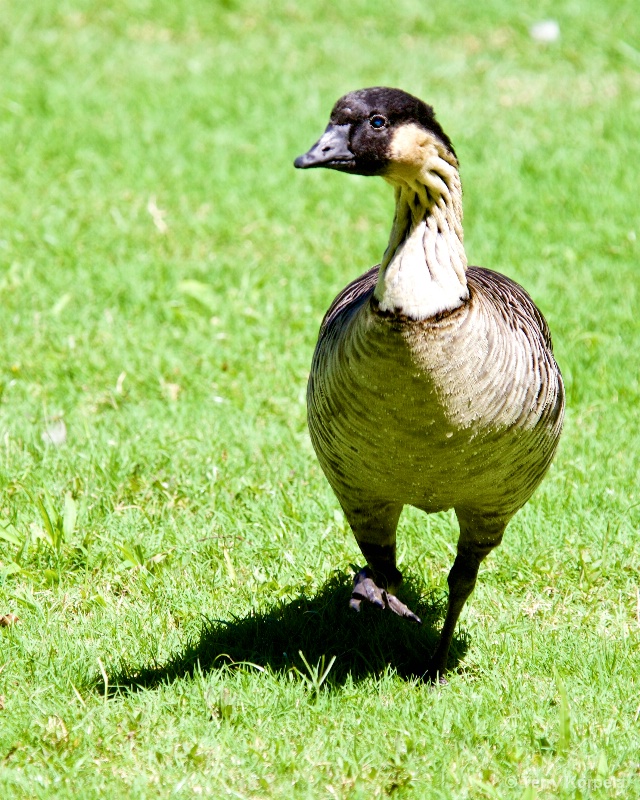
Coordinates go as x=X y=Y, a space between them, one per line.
x=477 y=540
x=461 y=580
x=382 y=560
x=375 y=532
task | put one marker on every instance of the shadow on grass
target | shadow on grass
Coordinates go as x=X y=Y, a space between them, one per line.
x=365 y=643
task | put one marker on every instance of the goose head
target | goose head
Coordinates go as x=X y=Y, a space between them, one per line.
x=380 y=131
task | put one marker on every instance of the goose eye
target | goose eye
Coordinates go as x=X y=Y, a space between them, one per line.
x=377 y=121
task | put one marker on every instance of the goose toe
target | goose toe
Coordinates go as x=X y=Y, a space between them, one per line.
x=365 y=588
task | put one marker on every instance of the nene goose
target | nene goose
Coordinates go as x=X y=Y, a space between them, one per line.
x=432 y=384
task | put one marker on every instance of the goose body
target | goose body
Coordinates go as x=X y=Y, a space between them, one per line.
x=433 y=384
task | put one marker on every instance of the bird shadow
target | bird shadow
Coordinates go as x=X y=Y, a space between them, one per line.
x=364 y=644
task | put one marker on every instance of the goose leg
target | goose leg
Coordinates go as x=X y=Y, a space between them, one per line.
x=472 y=549
x=378 y=581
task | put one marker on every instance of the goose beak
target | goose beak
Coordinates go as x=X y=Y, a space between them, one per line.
x=331 y=151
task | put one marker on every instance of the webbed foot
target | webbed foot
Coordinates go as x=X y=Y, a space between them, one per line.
x=365 y=588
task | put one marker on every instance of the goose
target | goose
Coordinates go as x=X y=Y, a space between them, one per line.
x=433 y=383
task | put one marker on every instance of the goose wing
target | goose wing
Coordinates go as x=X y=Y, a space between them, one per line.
x=351 y=296
x=518 y=308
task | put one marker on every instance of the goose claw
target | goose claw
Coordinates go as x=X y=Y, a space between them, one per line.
x=365 y=588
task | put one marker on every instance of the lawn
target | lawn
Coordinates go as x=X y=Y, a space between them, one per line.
x=177 y=564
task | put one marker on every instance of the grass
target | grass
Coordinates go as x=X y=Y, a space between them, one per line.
x=173 y=552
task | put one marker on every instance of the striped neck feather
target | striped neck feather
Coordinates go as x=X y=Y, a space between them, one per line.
x=422 y=273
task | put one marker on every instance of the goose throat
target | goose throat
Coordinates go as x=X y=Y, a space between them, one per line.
x=423 y=271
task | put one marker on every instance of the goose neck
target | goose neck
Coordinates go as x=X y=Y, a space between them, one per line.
x=423 y=271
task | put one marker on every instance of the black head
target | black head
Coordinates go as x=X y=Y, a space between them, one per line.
x=362 y=129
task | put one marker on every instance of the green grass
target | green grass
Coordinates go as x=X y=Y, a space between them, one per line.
x=163 y=273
